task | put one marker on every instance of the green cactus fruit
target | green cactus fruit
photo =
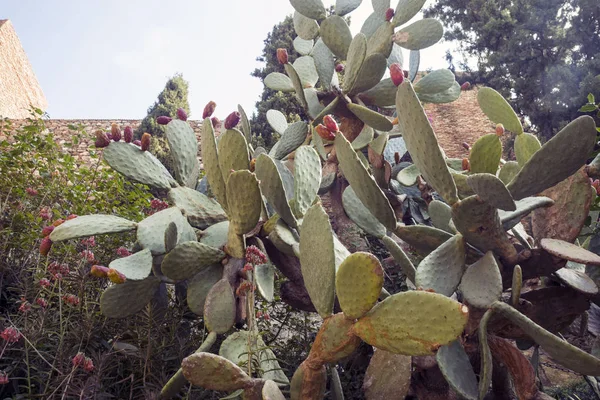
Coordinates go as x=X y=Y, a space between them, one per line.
x=357 y=52
x=525 y=146
x=273 y=189
x=435 y=82
x=297 y=82
x=485 y=154
x=564 y=353
x=485 y=374
x=279 y=82
x=308 y=383
x=420 y=34
x=569 y=251
x=135 y=267
x=270 y=391
x=361 y=215
x=559 y=158
x=307 y=177
x=215 y=235
x=422 y=143
x=151 y=231
x=517 y=285
x=440 y=214
x=370 y=117
x=400 y=257
x=408 y=176
x=210 y=159
x=508 y=171
x=139 y=166
x=336 y=35
x=364 y=138
x=219 y=307
x=498 y=110
x=405 y=10
x=456 y=368
x=358 y=283
x=91 y=225
x=577 y=280
x=317 y=259
x=121 y=301
x=511 y=218
x=213 y=372
x=382 y=95
x=244 y=201
x=481 y=284
x=413 y=323
x=388 y=376
x=443 y=268
x=370 y=73
x=184 y=149
x=264 y=275
x=324 y=62
x=189 y=258
x=423 y=238
x=491 y=189
x=363 y=183
x=199 y=286
x=335 y=340
x=277 y=120
x=200 y=210
x=233 y=153
x=306 y=28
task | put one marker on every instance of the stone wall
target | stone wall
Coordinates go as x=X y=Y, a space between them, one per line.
x=19 y=88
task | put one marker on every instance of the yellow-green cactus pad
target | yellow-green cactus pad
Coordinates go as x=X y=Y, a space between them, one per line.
x=383 y=94
x=244 y=201
x=524 y=207
x=485 y=154
x=357 y=52
x=400 y=257
x=272 y=188
x=246 y=129
x=491 y=189
x=381 y=40
x=370 y=117
x=297 y=82
x=91 y=225
x=210 y=159
x=200 y=210
x=233 y=153
x=219 y=307
x=336 y=35
x=371 y=72
x=419 y=35
x=358 y=283
x=508 y=171
x=335 y=340
x=361 y=215
x=464 y=190
x=184 y=149
x=364 y=138
x=414 y=323
x=214 y=372
x=408 y=176
x=435 y=82
x=277 y=120
x=313 y=9
x=525 y=146
x=440 y=214
x=325 y=63
x=189 y=258
x=135 y=267
x=307 y=177
x=443 y=268
x=264 y=275
x=200 y=285
x=151 y=231
x=423 y=238
x=279 y=82
x=125 y=299
x=481 y=284
x=498 y=110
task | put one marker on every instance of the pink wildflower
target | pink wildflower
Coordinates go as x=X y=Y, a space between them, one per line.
x=41 y=302
x=87 y=255
x=79 y=359
x=44 y=282
x=88 y=364
x=3 y=378
x=31 y=191
x=25 y=307
x=123 y=252
x=11 y=335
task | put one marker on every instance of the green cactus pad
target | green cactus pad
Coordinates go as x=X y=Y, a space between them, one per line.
x=343 y=7
x=559 y=158
x=564 y=353
x=244 y=201
x=170 y=237
x=201 y=211
x=508 y=171
x=283 y=238
x=381 y=40
x=135 y=267
x=137 y=165
x=309 y=8
x=388 y=376
x=440 y=214
x=364 y=185
x=485 y=375
x=292 y=138
x=456 y=368
x=516 y=286
x=306 y=28
x=305 y=67
x=405 y=10
x=312 y=99
x=270 y=391
x=324 y=62
x=358 y=283
x=370 y=117
x=335 y=340
x=188 y=259
x=264 y=274
x=383 y=94
x=215 y=235
x=371 y=72
x=443 y=268
x=464 y=190
x=336 y=35
x=423 y=238
x=447 y=96
x=400 y=257
x=287 y=178
x=422 y=143
x=498 y=110
x=414 y=60
x=491 y=189
x=91 y=225
x=213 y=372
x=364 y=138
x=577 y=280
x=360 y=214
x=481 y=284
x=525 y=146
x=524 y=207
x=340 y=251
x=435 y=82
x=233 y=153
x=569 y=251
x=125 y=299
x=408 y=176
x=219 y=307
x=420 y=34
x=307 y=177
x=184 y=150
x=485 y=154
x=380 y=7
x=199 y=286
x=210 y=159
x=357 y=52
x=317 y=259
x=277 y=120
x=279 y=82
x=329 y=109
x=151 y=231
x=308 y=383
x=413 y=323
x=236 y=243
x=246 y=129
x=272 y=188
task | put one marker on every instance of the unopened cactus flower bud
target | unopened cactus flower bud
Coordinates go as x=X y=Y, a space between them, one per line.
x=145 y=143
x=181 y=114
x=499 y=129
x=115 y=132
x=163 y=120
x=115 y=276
x=232 y=120
x=330 y=123
x=282 y=56
x=137 y=143
x=389 y=14
x=101 y=139
x=45 y=246
x=466 y=165
x=396 y=74
x=465 y=86
x=339 y=68
x=47 y=230
x=466 y=146
x=128 y=134
x=209 y=109
x=252 y=165
x=99 y=271
x=324 y=132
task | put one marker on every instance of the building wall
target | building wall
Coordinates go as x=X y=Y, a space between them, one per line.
x=19 y=88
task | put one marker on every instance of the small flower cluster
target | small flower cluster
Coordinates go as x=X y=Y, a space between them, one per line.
x=11 y=335
x=58 y=271
x=40 y=301
x=3 y=378
x=89 y=242
x=31 y=191
x=254 y=256
x=80 y=360
x=260 y=314
x=25 y=306
x=123 y=252
x=157 y=205
x=87 y=255
x=71 y=299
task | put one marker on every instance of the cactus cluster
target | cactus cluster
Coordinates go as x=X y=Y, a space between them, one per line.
x=466 y=300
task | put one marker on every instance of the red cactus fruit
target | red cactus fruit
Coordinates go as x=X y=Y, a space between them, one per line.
x=99 y=271
x=45 y=246
x=209 y=109
x=47 y=230
x=252 y=165
x=102 y=139
x=282 y=56
x=499 y=129
x=145 y=144
x=115 y=132
x=216 y=122
x=115 y=276
x=389 y=14
x=396 y=74
x=339 y=68
x=163 y=120
x=466 y=146
x=330 y=123
x=181 y=114
x=232 y=120
x=465 y=86
x=128 y=134
x=324 y=132
x=137 y=143
x=466 y=165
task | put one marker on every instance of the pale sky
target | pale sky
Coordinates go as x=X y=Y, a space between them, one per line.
x=110 y=59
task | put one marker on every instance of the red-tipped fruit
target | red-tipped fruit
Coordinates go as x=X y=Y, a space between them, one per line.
x=128 y=134
x=396 y=74
x=145 y=143
x=282 y=56
x=163 y=120
x=209 y=109
x=181 y=114
x=232 y=120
